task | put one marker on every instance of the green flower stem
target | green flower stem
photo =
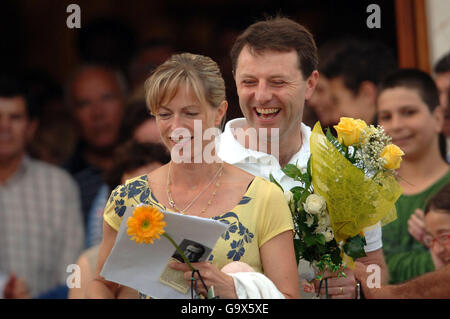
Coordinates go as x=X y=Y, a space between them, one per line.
x=326 y=287
x=179 y=251
x=373 y=177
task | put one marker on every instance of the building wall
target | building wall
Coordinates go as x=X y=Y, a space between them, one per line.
x=438 y=17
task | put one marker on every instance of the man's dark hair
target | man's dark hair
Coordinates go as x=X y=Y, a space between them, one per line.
x=137 y=114
x=416 y=80
x=278 y=34
x=440 y=201
x=12 y=85
x=357 y=60
x=133 y=155
x=443 y=64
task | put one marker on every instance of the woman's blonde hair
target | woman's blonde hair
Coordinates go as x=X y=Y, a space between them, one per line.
x=198 y=72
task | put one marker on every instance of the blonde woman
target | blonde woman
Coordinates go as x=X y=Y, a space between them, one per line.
x=186 y=94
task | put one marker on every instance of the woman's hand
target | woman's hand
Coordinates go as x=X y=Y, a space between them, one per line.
x=416 y=226
x=223 y=283
x=99 y=288
x=16 y=288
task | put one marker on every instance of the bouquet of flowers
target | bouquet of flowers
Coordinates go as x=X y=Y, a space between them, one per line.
x=348 y=185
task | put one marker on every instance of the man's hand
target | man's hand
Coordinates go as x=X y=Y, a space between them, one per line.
x=362 y=275
x=338 y=288
x=16 y=288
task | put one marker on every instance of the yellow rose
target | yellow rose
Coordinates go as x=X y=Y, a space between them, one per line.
x=349 y=130
x=393 y=156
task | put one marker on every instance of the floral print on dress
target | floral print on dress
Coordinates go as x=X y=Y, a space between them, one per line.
x=138 y=191
x=246 y=237
x=237 y=250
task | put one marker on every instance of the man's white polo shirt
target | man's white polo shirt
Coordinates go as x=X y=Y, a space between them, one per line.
x=260 y=163
x=263 y=164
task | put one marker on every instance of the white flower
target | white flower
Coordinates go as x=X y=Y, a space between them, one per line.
x=314 y=204
x=329 y=234
x=302 y=168
x=289 y=196
x=324 y=226
x=324 y=221
x=309 y=220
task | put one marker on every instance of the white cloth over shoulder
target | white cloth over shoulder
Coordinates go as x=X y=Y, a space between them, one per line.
x=254 y=285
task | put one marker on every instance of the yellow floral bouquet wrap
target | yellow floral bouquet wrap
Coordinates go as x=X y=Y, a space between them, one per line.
x=354 y=200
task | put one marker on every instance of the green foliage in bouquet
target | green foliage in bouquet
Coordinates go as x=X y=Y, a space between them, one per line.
x=314 y=240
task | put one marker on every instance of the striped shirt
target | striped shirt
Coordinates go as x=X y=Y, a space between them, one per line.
x=41 y=230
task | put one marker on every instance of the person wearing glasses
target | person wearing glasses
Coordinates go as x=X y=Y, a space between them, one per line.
x=433 y=284
x=409 y=111
x=437 y=223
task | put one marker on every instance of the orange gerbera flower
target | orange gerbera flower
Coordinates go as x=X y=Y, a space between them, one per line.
x=146 y=224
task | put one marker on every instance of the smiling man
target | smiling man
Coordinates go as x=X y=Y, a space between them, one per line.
x=274 y=76
x=275 y=69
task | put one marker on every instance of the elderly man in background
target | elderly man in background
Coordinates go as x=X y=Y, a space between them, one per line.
x=96 y=95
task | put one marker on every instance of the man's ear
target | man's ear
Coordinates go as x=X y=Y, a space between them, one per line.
x=368 y=91
x=31 y=129
x=311 y=83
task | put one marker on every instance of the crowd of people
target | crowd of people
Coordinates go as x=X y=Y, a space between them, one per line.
x=62 y=205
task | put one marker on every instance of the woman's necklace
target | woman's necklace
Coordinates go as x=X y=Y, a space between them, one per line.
x=182 y=211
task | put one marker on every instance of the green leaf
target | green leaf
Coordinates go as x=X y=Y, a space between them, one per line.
x=340 y=147
x=335 y=256
x=292 y=171
x=272 y=179
x=305 y=194
x=320 y=239
x=310 y=241
x=354 y=247
x=308 y=167
x=297 y=192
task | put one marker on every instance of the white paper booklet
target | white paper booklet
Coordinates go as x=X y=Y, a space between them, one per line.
x=143 y=266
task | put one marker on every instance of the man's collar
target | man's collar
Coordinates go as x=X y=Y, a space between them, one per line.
x=21 y=170
x=231 y=151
